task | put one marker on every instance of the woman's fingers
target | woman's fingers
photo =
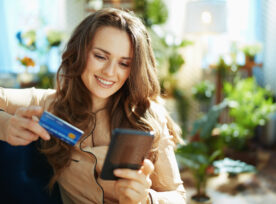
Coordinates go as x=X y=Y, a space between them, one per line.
x=22 y=129
x=130 y=195
x=16 y=141
x=29 y=111
x=130 y=191
x=141 y=175
x=129 y=174
x=35 y=128
x=26 y=135
x=26 y=121
x=134 y=184
x=147 y=167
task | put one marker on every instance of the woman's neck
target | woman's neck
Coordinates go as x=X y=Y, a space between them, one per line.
x=98 y=104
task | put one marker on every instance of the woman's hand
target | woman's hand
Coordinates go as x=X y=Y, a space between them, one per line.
x=133 y=185
x=22 y=128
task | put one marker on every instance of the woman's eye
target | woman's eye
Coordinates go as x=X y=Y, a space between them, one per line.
x=124 y=64
x=99 y=57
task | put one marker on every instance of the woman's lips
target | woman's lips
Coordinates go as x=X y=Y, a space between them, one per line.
x=103 y=82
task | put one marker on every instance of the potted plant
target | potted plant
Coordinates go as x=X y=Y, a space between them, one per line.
x=27 y=39
x=251 y=107
x=232 y=167
x=26 y=79
x=250 y=51
x=202 y=150
x=203 y=92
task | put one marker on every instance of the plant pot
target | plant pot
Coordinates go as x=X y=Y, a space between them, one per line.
x=200 y=199
x=27 y=80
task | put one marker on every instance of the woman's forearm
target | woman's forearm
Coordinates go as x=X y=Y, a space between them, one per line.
x=168 y=197
x=4 y=118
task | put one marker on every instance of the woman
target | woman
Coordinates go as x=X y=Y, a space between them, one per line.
x=107 y=79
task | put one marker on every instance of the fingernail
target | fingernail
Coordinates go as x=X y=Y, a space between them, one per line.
x=47 y=137
x=35 y=118
x=117 y=171
x=37 y=108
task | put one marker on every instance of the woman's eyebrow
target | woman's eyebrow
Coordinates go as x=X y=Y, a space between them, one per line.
x=106 y=52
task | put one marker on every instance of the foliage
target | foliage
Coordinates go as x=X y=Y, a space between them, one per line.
x=233 y=167
x=173 y=62
x=27 y=39
x=204 y=147
x=197 y=158
x=166 y=48
x=37 y=46
x=203 y=91
x=26 y=61
x=182 y=105
x=251 y=50
x=222 y=67
x=252 y=107
x=153 y=12
x=234 y=134
x=205 y=125
x=46 y=80
x=54 y=37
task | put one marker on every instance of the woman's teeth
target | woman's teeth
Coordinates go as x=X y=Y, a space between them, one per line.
x=105 y=82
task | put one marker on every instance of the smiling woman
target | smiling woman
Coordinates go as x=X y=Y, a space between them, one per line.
x=107 y=80
x=108 y=63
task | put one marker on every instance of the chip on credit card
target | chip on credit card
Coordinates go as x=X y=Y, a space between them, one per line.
x=60 y=128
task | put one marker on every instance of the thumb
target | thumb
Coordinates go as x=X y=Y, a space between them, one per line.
x=147 y=167
x=30 y=111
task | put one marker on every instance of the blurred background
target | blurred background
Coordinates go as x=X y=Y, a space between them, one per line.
x=217 y=68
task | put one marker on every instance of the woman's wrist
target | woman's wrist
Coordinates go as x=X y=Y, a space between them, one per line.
x=147 y=200
x=4 y=117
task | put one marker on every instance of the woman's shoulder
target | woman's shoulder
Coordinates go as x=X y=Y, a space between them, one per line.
x=45 y=97
x=158 y=109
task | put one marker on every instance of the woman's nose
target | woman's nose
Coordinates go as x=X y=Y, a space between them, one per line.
x=110 y=68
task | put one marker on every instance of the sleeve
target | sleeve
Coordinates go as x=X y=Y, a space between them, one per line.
x=167 y=186
x=11 y=99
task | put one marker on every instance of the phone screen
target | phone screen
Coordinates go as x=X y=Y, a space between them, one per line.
x=128 y=148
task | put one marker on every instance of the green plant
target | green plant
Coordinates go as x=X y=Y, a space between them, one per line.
x=203 y=91
x=232 y=167
x=252 y=106
x=153 y=12
x=203 y=148
x=54 y=37
x=251 y=50
x=233 y=134
x=27 y=39
x=197 y=158
x=166 y=48
x=172 y=64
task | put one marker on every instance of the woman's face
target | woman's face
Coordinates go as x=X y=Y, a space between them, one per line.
x=108 y=64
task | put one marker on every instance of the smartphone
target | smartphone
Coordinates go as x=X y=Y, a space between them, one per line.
x=128 y=149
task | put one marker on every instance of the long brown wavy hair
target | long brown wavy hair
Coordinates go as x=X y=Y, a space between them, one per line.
x=136 y=105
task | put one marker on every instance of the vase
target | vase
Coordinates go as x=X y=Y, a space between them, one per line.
x=200 y=199
x=26 y=79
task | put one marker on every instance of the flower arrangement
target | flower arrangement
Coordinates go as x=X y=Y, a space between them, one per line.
x=54 y=37
x=26 y=61
x=27 y=39
x=251 y=50
x=26 y=78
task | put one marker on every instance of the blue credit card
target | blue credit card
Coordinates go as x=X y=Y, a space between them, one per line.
x=60 y=128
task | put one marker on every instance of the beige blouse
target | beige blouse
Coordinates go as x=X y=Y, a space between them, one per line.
x=79 y=182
